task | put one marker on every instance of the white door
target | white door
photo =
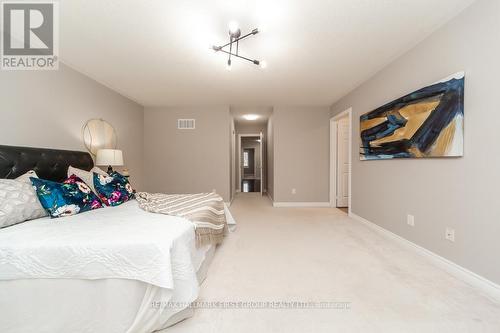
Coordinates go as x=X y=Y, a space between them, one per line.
x=343 y=166
x=260 y=162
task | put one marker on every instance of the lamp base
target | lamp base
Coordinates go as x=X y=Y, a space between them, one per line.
x=110 y=169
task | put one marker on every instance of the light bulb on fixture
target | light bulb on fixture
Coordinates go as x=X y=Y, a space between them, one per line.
x=251 y=116
x=263 y=64
x=228 y=66
x=233 y=27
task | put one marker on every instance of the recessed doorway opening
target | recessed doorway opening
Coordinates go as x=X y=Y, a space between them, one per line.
x=251 y=150
x=251 y=158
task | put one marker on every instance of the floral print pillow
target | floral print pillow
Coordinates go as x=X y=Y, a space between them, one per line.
x=113 y=189
x=70 y=197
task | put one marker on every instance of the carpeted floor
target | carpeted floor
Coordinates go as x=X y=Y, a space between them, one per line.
x=321 y=255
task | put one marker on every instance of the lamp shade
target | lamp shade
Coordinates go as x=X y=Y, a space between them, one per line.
x=112 y=157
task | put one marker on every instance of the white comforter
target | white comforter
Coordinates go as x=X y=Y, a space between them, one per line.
x=99 y=271
x=122 y=242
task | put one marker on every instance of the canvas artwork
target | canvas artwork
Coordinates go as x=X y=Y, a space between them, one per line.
x=426 y=123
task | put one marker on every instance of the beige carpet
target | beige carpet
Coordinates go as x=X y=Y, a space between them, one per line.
x=320 y=254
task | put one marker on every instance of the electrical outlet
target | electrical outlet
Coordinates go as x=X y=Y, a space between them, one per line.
x=450 y=234
x=294 y=191
x=410 y=220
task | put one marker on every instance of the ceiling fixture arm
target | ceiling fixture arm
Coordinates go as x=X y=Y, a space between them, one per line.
x=241 y=57
x=230 y=51
x=235 y=37
x=254 y=32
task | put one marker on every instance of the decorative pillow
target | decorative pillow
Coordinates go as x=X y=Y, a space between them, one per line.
x=86 y=176
x=113 y=189
x=18 y=203
x=71 y=197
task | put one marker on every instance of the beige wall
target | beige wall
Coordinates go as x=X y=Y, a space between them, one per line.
x=48 y=109
x=461 y=193
x=187 y=161
x=301 y=153
x=242 y=128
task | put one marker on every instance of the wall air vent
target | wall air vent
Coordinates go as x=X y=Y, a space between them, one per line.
x=186 y=123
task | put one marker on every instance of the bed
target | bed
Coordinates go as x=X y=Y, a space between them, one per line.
x=117 y=269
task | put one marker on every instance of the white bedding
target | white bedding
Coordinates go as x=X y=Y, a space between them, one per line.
x=100 y=244
x=91 y=306
x=98 y=271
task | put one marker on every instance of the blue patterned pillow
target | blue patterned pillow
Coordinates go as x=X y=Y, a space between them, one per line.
x=71 y=197
x=113 y=189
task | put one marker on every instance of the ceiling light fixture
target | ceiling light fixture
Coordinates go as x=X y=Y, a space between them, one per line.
x=234 y=39
x=251 y=116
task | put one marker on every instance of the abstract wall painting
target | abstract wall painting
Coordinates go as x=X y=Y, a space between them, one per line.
x=426 y=123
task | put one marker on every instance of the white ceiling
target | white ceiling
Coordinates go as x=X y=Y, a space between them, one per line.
x=157 y=52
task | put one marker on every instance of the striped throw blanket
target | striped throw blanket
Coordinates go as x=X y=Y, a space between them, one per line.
x=205 y=210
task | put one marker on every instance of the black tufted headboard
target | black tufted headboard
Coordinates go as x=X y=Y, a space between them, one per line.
x=49 y=164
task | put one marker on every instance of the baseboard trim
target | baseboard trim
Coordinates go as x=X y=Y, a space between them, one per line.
x=487 y=287
x=301 y=204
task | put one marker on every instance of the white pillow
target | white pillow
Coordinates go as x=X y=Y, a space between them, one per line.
x=86 y=176
x=26 y=177
x=18 y=202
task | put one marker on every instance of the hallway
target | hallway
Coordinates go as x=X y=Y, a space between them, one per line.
x=275 y=251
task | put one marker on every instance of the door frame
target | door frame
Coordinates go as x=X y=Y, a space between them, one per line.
x=333 y=157
x=238 y=188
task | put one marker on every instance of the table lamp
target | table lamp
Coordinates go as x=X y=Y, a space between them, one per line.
x=109 y=157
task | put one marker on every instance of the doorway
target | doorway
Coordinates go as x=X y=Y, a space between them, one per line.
x=248 y=162
x=341 y=160
x=250 y=171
